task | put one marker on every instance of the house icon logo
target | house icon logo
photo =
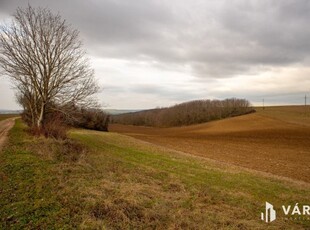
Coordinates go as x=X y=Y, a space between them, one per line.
x=270 y=213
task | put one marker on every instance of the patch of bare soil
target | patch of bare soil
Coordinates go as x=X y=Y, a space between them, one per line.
x=252 y=141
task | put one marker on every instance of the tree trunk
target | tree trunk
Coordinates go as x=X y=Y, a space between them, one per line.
x=40 y=119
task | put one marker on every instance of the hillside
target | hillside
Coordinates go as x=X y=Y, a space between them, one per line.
x=259 y=141
x=292 y=114
x=112 y=181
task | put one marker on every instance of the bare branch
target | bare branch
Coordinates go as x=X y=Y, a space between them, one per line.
x=43 y=56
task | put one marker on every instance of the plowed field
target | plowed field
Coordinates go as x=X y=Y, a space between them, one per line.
x=259 y=141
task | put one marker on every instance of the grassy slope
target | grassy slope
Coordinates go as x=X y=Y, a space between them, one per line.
x=120 y=182
x=29 y=187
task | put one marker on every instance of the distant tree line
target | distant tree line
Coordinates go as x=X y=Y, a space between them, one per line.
x=193 y=112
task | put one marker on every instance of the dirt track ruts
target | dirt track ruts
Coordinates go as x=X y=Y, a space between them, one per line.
x=5 y=126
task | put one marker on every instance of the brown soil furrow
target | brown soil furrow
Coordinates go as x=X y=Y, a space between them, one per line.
x=252 y=141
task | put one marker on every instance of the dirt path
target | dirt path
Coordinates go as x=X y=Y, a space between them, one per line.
x=5 y=126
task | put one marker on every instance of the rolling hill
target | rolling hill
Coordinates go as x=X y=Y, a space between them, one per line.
x=271 y=140
x=100 y=180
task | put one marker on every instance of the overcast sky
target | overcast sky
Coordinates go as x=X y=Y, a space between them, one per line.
x=154 y=53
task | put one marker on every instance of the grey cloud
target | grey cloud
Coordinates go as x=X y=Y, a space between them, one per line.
x=106 y=22
x=172 y=92
x=217 y=38
x=212 y=39
x=242 y=37
x=278 y=25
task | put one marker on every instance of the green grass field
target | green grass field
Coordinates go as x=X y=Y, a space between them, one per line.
x=110 y=181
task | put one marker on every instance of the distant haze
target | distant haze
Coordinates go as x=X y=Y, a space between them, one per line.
x=154 y=53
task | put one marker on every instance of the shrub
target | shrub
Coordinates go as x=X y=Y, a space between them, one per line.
x=54 y=126
x=95 y=119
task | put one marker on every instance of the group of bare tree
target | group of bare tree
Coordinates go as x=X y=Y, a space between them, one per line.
x=187 y=113
x=43 y=56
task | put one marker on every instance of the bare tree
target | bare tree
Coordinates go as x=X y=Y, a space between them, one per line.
x=43 y=56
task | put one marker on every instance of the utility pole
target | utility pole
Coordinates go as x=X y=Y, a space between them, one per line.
x=263 y=104
x=306 y=104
